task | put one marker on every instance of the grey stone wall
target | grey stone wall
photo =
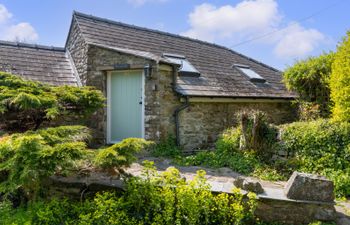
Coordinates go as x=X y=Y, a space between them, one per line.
x=78 y=50
x=202 y=123
x=100 y=58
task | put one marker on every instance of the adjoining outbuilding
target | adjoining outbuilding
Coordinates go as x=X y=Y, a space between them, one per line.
x=156 y=83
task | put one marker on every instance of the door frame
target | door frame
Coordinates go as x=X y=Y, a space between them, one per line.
x=109 y=75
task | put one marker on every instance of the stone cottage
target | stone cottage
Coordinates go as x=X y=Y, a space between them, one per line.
x=156 y=83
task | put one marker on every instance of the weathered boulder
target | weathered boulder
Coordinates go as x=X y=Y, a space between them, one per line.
x=248 y=184
x=303 y=186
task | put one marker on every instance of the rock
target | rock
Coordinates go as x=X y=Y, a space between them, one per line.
x=303 y=186
x=343 y=221
x=248 y=184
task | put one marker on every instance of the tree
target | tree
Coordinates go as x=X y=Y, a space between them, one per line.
x=25 y=105
x=340 y=81
x=310 y=79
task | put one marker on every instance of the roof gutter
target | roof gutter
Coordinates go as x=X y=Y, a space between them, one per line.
x=227 y=99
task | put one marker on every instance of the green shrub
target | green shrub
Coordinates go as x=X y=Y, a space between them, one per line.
x=121 y=154
x=340 y=81
x=155 y=199
x=310 y=79
x=321 y=147
x=229 y=141
x=28 y=158
x=25 y=105
x=256 y=134
x=166 y=148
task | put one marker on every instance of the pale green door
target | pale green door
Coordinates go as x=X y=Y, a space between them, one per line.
x=125 y=105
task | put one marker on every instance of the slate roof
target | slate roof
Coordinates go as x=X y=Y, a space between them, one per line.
x=37 y=62
x=218 y=77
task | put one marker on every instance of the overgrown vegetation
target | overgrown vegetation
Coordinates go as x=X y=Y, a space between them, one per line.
x=321 y=147
x=340 y=81
x=27 y=159
x=247 y=154
x=151 y=200
x=25 y=105
x=309 y=78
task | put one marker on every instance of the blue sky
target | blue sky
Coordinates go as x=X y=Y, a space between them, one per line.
x=224 y=22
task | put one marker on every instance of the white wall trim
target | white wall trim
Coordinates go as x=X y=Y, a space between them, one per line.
x=109 y=91
x=108 y=133
x=143 y=87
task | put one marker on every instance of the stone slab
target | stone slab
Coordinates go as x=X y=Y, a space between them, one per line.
x=310 y=187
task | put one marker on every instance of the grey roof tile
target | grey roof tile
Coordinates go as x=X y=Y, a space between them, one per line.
x=37 y=62
x=214 y=62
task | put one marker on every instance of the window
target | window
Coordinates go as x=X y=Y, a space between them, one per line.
x=186 y=68
x=253 y=76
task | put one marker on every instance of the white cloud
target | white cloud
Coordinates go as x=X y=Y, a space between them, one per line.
x=210 y=22
x=4 y=14
x=22 y=32
x=249 y=19
x=142 y=2
x=297 y=41
x=11 y=31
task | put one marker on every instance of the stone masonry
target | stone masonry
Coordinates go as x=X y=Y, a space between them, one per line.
x=202 y=123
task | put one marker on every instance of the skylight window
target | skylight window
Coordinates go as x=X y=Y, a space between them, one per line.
x=186 y=68
x=253 y=76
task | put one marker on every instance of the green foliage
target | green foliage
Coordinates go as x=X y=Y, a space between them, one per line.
x=310 y=79
x=340 y=81
x=120 y=154
x=321 y=147
x=19 y=216
x=229 y=140
x=25 y=105
x=156 y=199
x=28 y=158
x=256 y=133
x=166 y=148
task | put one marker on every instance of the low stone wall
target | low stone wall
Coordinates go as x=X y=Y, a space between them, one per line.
x=294 y=212
x=202 y=123
x=273 y=205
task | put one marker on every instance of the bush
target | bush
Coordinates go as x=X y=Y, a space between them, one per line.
x=151 y=200
x=25 y=105
x=340 y=81
x=166 y=148
x=321 y=147
x=121 y=154
x=310 y=79
x=229 y=141
x=28 y=158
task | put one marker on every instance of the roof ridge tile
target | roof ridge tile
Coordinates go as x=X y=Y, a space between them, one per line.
x=34 y=46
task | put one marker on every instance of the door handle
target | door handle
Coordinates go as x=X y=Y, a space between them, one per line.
x=140 y=102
